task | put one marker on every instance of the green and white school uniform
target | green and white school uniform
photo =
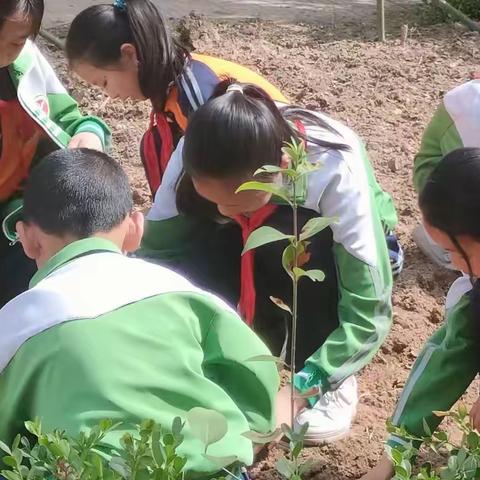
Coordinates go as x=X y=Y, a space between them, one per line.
x=444 y=369
x=456 y=124
x=345 y=188
x=45 y=100
x=100 y=335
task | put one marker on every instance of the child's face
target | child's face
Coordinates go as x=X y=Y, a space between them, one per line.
x=13 y=35
x=222 y=193
x=117 y=81
x=470 y=246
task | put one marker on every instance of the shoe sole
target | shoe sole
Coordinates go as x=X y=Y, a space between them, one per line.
x=432 y=252
x=313 y=439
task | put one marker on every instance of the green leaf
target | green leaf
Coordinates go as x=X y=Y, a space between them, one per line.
x=266 y=358
x=11 y=475
x=280 y=304
x=307 y=167
x=426 y=428
x=10 y=461
x=5 y=448
x=222 y=462
x=119 y=465
x=400 y=471
x=288 y=258
x=263 y=236
x=277 y=190
x=461 y=457
x=276 y=169
x=35 y=428
x=177 y=426
x=262 y=438
x=106 y=425
x=473 y=440
x=452 y=463
x=287 y=431
x=158 y=452
x=285 y=467
x=316 y=225
x=314 y=275
x=462 y=411
x=208 y=426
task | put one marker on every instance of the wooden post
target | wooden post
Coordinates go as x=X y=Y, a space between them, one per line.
x=381 y=20
x=53 y=39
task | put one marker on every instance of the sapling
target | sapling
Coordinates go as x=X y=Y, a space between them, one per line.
x=294 y=177
x=463 y=458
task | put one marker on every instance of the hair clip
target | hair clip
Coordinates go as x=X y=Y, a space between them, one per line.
x=120 y=4
x=235 y=87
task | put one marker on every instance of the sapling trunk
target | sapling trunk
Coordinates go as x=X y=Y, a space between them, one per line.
x=293 y=347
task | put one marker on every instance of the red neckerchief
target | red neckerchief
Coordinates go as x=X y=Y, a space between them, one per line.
x=156 y=162
x=246 y=305
x=20 y=137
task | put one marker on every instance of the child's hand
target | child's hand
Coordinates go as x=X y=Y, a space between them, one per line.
x=284 y=406
x=475 y=415
x=382 y=471
x=86 y=140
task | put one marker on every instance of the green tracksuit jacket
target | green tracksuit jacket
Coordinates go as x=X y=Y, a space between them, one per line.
x=345 y=188
x=100 y=335
x=456 y=124
x=47 y=102
x=444 y=369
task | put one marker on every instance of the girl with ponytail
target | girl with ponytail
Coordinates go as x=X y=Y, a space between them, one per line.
x=343 y=320
x=127 y=50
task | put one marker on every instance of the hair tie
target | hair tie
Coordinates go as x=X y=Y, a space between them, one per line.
x=120 y=4
x=235 y=87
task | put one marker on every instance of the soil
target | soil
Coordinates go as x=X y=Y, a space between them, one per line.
x=387 y=93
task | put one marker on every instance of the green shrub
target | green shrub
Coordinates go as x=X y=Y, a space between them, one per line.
x=468 y=7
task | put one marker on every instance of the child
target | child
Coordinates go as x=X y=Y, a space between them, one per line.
x=100 y=335
x=129 y=53
x=450 y=205
x=37 y=116
x=456 y=124
x=342 y=321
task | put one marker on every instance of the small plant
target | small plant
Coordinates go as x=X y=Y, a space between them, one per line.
x=151 y=454
x=290 y=191
x=463 y=458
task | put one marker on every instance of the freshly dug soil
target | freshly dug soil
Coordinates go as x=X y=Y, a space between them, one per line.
x=387 y=93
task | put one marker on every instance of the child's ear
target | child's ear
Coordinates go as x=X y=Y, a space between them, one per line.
x=134 y=235
x=28 y=239
x=285 y=161
x=129 y=55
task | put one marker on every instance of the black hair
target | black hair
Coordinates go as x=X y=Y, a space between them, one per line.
x=77 y=192
x=30 y=9
x=450 y=202
x=237 y=132
x=161 y=58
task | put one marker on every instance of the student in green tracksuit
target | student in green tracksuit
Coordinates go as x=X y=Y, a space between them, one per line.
x=448 y=363
x=343 y=320
x=100 y=335
x=455 y=124
x=37 y=116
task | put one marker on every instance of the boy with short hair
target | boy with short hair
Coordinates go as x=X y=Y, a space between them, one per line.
x=100 y=335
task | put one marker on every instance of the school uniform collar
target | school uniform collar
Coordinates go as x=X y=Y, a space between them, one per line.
x=72 y=251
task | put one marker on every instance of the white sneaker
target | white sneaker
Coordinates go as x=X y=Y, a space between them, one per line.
x=430 y=249
x=331 y=417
